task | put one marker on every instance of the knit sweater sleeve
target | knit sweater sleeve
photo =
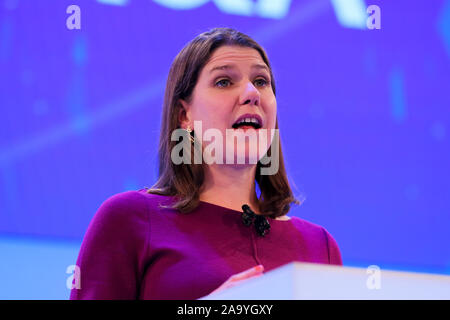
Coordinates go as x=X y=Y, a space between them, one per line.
x=113 y=252
x=334 y=254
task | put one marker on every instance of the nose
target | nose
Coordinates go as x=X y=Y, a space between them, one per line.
x=250 y=95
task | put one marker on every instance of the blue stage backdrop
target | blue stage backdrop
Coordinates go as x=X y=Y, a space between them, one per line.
x=363 y=105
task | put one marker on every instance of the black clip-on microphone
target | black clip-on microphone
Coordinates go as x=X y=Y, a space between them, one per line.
x=262 y=225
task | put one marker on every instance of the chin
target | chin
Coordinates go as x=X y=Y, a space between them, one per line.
x=245 y=154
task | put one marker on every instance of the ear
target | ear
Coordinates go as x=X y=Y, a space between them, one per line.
x=184 y=114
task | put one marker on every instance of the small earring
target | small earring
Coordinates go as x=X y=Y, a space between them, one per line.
x=190 y=132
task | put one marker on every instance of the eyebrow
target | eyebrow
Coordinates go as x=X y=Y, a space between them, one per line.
x=227 y=66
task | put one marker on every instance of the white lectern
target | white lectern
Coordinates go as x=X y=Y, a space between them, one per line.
x=295 y=281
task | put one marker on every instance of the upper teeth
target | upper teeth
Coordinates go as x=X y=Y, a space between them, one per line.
x=248 y=120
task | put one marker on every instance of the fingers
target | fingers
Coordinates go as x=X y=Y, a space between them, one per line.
x=257 y=270
x=240 y=277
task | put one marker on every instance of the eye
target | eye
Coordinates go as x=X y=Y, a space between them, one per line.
x=261 y=82
x=223 y=83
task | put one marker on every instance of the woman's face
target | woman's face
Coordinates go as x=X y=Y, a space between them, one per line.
x=234 y=82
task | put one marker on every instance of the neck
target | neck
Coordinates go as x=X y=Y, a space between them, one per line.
x=230 y=186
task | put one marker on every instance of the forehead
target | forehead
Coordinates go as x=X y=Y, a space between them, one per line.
x=234 y=55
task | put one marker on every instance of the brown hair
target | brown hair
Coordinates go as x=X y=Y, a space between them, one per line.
x=184 y=181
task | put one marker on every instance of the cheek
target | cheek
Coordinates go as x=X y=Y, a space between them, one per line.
x=213 y=111
x=270 y=108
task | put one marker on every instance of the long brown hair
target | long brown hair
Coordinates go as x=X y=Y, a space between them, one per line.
x=184 y=181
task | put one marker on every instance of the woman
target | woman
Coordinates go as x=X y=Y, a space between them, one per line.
x=190 y=235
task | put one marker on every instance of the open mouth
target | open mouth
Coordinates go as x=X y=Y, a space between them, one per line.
x=247 y=123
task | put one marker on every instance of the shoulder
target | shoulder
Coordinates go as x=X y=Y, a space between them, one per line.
x=115 y=247
x=119 y=214
x=155 y=202
x=318 y=236
x=311 y=229
x=137 y=203
x=126 y=210
x=123 y=205
x=307 y=226
x=123 y=217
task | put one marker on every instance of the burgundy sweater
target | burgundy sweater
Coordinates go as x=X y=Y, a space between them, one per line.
x=135 y=250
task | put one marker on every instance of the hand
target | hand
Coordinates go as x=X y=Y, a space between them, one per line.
x=238 y=278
